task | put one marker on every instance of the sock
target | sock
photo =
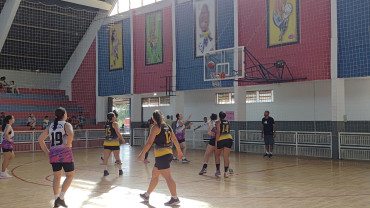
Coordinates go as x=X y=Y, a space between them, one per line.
x=120 y=167
x=174 y=197
x=55 y=197
x=270 y=153
x=106 y=167
x=146 y=194
x=267 y=152
x=226 y=169
x=183 y=158
x=205 y=165
x=2 y=173
x=61 y=195
x=217 y=166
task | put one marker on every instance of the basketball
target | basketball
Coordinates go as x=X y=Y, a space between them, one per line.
x=211 y=64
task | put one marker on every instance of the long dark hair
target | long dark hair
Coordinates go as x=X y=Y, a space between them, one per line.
x=177 y=116
x=157 y=116
x=110 y=116
x=6 y=121
x=59 y=114
x=213 y=117
x=222 y=115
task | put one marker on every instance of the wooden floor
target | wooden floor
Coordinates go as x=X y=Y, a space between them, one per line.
x=257 y=182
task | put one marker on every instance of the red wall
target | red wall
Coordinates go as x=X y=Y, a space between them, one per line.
x=148 y=79
x=84 y=84
x=310 y=58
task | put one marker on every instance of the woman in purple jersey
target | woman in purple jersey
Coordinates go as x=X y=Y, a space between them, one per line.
x=7 y=145
x=60 y=154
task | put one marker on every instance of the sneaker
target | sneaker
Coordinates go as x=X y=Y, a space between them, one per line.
x=146 y=161
x=231 y=171
x=58 y=202
x=218 y=173
x=226 y=174
x=185 y=160
x=265 y=155
x=174 y=158
x=5 y=175
x=203 y=171
x=270 y=155
x=120 y=172
x=144 y=197
x=106 y=173
x=102 y=158
x=172 y=202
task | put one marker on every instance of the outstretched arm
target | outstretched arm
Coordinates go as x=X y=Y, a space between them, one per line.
x=153 y=132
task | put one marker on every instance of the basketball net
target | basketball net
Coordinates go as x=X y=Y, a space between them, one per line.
x=215 y=83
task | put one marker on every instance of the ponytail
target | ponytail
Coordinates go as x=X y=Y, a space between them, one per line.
x=6 y=121
x=59 y=114
x=177 y=116
x=157 y=116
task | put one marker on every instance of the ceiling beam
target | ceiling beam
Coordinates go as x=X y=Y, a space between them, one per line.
x=92 y=3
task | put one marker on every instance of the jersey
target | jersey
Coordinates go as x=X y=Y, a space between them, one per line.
x=6 y=144
x=59 y=152
x=224 y=130
x=163 y=141
x=180 y=131
x=111 y=137
x=213 y=130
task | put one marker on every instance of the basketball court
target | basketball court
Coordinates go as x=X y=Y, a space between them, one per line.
x=281 y=181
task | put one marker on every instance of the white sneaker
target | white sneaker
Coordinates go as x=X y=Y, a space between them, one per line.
x=5 y=175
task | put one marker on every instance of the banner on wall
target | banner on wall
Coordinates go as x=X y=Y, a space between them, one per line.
x=282 y=22
x=205 y=26
x=153 y=38
x=115 y=46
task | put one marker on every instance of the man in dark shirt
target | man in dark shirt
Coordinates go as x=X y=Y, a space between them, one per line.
x=268 y=133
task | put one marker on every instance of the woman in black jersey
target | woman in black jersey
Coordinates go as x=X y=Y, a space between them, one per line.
x=224 y=142
x=162 y=136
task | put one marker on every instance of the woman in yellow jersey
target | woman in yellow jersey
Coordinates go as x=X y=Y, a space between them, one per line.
x=224 y=142
x=111 y=143
x=162 y=136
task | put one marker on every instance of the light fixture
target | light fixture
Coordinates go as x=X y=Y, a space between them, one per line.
x=155 y=94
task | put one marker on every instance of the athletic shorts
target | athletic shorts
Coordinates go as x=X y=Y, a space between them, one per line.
x=269 y=139
x=163 y=162
x=212 y=141
x=181 y=141
x=7 y=150
x=67 y=167
x=112 y=147
x=225 y=143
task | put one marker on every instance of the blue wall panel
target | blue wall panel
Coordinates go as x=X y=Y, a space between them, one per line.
x=189 y=73
x=353 y=38
x=116 y=82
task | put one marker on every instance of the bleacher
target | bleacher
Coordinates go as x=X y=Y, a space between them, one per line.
x=40 y=102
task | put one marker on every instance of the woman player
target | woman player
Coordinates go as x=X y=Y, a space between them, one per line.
x=211 y=143
x=111 y=143
x=180 y=134
x=60 y=154
x=7 y=145
x=161 y=134
x=224 y=142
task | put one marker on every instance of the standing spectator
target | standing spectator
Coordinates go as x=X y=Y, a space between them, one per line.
x=81 y=119
x=268 y=133
x=169 y=121
x=32 y=121
x=203 y=126
x=45 y=122
x=75 y=122
x=13 y=88
x=2 y=117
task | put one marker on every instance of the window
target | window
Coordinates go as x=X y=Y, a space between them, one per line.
x=125 y=5
x=155 y=101
x=262 y=96
x=225 y=98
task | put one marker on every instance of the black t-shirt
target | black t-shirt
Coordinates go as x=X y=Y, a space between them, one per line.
x=268 y=128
